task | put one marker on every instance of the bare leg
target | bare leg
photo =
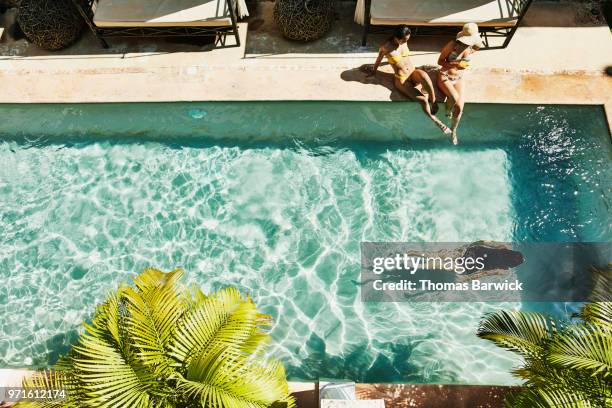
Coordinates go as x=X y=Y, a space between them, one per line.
x=410 y=91
x=424 y=102
x=449 y=105
x=457 y=101
x=420 y=77
x=461 y=101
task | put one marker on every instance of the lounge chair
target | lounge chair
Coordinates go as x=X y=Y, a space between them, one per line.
x=163 y=18
x=496 y=18
x=342 y=395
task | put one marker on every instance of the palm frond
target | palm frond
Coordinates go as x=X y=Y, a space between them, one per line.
x=152 y=278
x=544 y=397
x=537 y=372
x=599 y=310
x=544 y=374
x=224 y=318
x=256 y=343
x=521 y=332
x=194 y=296
x=565 y=364
x=159 y=344
x=225 y=377
x=55 y=381
x=583 y=348
x=110 y=313
x=598 y=313
x=152 y=314
x=107 y=373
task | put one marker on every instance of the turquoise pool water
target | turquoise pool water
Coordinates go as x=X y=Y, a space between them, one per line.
x=275 y=198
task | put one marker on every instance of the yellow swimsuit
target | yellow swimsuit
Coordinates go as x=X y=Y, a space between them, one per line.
x=395 y=59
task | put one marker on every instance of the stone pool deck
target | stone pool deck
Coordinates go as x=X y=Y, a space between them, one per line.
x=556 y=57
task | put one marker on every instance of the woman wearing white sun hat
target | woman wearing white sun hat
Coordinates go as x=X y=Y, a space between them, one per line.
x=454 y=60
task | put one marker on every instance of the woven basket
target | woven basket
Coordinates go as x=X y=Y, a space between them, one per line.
x=303 y=20
x=50 y=24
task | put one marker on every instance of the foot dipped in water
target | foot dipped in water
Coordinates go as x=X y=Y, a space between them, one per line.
x=454 y=137
x=445 y=129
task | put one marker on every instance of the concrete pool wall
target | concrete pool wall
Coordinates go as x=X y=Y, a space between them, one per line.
x=312 y=122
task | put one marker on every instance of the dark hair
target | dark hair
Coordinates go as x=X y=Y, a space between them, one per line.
x=401 y=31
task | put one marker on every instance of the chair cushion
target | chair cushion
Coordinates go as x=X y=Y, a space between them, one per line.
x=161 y=13
x=444 y=12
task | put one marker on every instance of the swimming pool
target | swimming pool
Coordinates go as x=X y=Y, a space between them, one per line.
x=275 y=198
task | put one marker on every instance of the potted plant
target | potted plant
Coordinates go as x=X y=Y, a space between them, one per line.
x=159 y=343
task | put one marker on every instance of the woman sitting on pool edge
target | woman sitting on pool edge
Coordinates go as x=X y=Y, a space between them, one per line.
x=454 y=60
x=407 y=77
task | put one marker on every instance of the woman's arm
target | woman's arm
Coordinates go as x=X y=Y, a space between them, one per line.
x=442 y=59
x=381 y=55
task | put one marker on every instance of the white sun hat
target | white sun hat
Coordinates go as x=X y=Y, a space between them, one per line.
x=469 y=35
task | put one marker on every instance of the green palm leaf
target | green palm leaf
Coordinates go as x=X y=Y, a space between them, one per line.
x=51 y=380
x=598 y=313
x=521 y=332
x=225 y=377
x=537 y=371
x=548 y=397
x=583 y=348
x=105 y=366
x=153 y=310
x=152 y=278
x=599 y=310
x=224 y=318
x=158 y=344
x=564 y=366
x=580 y=382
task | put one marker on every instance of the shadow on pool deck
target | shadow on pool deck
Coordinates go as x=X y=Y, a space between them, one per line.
x=435 y=396
x=386 y=79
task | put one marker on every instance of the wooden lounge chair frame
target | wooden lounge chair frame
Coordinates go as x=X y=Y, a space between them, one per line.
x=487 y=31
x=220 y=33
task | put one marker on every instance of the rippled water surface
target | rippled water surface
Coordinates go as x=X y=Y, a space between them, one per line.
x=283 y=221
